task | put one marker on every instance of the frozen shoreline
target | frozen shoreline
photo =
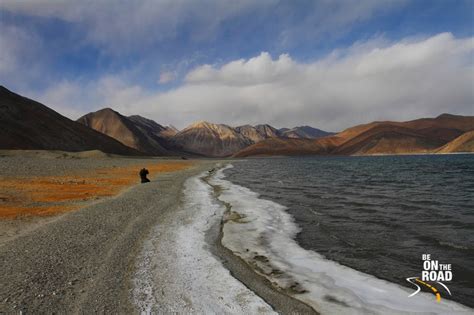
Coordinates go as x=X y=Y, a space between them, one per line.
x=262 y=233
x=176 y=271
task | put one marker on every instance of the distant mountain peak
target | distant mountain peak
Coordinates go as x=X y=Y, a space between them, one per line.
x=210 y=139
x=200 y=124
x=135 y=131
x=107 y=110
x=446 y=115
x=305 y=132
x=267 y=131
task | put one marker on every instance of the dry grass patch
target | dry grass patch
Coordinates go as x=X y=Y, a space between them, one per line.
x=48 y=195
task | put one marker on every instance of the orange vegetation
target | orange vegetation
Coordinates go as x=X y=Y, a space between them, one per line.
x=47 y=195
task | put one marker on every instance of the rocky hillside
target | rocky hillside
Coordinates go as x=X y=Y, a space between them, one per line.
x=201 y=138
x=152 y=127
x=267 y=131
x=424 y=135
x=388 y=139
x=463 y=143
x=219 y=140
x=258 y=133
x=288 y=147
x=136 y=132
x=250 y=132
x=27 y=124
x=208 y=139
x=304 y=132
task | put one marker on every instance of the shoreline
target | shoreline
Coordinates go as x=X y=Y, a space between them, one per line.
x=327 y=286
x=281 y=302
x=177 y=271
x=277 y=156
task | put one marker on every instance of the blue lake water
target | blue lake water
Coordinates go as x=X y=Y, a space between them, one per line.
x=378 y=214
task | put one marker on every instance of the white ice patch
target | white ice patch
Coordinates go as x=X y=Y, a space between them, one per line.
x=264 y=230
x=178 y=274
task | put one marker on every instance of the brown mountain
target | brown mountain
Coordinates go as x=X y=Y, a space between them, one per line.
x=267 y=131
x=250 y=132
x=463 y=143
x=386 y=137
x=304 y=132
x=258 y=133
x=221 y=140
x=288 y=146
x=152 y=127
x=155 y=132
x=136 y=132
x=209 y=139
x=27 y=124
x=446 y=126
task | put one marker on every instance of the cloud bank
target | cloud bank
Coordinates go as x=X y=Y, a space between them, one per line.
x=373 y=80
x=376 y=79
x=122 y=26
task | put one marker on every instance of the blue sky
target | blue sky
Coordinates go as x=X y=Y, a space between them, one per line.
x=143 y=56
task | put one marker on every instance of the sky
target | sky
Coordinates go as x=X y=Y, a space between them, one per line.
x=330 y=64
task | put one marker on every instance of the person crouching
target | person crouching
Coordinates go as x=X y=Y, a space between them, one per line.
x=143 y=173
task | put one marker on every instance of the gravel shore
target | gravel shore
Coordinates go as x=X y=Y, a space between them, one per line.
x=82 y=261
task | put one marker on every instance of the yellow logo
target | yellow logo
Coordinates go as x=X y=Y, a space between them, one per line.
x=433 y=272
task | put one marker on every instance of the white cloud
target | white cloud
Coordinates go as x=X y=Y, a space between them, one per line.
x=373 y=80
x=20 y=49
x=133 y=25
x=368 y=81
x=121 y=26
x=74 y=99
x=258 y=70
x=65 y=97
x=332 y=18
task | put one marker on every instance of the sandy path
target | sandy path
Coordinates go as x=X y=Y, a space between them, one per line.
x=83 y=261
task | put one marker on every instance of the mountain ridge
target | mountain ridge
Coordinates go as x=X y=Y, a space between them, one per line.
x=463 y=143
x=136 y=132
x=304 y=132
x=208 y=139
x=424 y=135
x=28 y=124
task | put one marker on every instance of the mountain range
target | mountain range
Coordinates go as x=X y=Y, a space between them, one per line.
x=27 y=124
x=426 y=135
x=200 y=138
